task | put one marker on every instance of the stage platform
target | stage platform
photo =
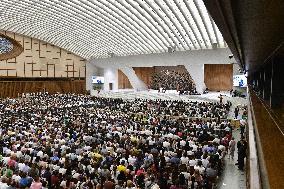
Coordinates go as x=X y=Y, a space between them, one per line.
x=173 y=95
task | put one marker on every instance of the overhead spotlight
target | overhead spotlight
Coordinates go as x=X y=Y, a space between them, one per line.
x=231 y=56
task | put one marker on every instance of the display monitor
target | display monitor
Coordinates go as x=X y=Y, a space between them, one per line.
x=240 y=81
x=98 y=79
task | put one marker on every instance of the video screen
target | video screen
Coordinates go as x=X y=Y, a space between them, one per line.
x=239 y=81
x=98 y=79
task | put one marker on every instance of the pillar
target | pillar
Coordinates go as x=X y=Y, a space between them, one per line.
x=136 y=83
x=197 y=74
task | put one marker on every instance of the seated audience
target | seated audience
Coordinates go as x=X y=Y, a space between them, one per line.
x=173 y=80
x=77 y=141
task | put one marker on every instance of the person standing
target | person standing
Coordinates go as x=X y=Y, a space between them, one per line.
x=236 y=112
x=232 y=147
x=241 y=154
x=221 y=98
x=242 y=128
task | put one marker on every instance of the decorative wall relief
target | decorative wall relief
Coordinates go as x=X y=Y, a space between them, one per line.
x=22 y=56
x=9 y=47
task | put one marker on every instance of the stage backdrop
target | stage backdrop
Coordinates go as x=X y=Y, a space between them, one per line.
x=218 y=77
x=145 y=74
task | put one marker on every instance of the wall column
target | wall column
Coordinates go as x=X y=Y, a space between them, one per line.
x=111 y=78
x=136 y=83
x=197 y=74
x=92 y=70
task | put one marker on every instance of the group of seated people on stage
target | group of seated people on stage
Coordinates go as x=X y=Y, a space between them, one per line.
x=173 y=80
x=73 y=141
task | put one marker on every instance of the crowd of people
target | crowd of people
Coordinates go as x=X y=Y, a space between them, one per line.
x=73 y=141
x=173 y=80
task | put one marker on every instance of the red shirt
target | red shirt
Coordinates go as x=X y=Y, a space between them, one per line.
x=54 y=180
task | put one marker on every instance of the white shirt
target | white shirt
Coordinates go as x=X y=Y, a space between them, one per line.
x=6 y=159
x=184 y=160
x=182 y=143
x=192 y=162
x=151 y=142
x=131 y=160
x=21 y=166
x=201 y=169
x=205 y=162
x=76 y=175
x=40 y=154
x=16 y=178
x=216 y=140
x=63 y=184
x=19 y=154
x=186 y=175
x=166 y=144
x=3 y=185
x=221 y=147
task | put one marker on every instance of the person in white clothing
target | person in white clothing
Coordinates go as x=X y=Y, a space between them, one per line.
x=184 y=159
x=232 y=148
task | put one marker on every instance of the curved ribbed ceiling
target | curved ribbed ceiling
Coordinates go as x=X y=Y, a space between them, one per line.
x=98 y=28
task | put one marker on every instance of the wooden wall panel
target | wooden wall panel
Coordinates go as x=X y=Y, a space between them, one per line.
x=145 y=74
x=271 y=141
x=12 y=88
x=123 y=81
x=218 y=77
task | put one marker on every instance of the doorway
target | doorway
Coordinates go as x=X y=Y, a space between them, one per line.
x=110 y=86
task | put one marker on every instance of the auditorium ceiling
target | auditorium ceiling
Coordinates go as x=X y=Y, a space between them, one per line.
x=102 y=28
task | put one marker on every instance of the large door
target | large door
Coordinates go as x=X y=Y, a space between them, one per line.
x=110 y=86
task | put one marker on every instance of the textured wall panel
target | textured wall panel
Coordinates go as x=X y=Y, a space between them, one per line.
x=40 y=59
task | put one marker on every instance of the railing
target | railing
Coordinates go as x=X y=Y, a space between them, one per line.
x=256 y=173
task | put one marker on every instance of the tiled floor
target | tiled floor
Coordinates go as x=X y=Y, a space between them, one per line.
x=232 y=177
